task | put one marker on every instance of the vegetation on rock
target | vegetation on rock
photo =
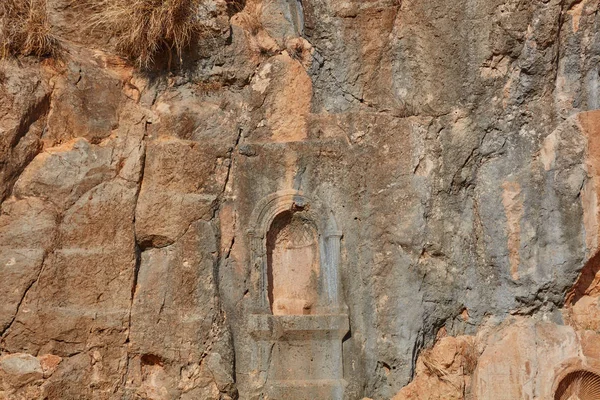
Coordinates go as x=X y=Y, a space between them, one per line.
x=24 y=29
x=144 y=28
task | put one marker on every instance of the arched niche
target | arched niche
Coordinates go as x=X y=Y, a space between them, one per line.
x=578 y=384
x=293 y=265
x=295 y=251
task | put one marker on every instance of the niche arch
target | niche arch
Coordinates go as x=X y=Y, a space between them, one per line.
x=285 y=213
x=578 y=384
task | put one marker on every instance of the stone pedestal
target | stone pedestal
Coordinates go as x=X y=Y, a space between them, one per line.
x=299 y=356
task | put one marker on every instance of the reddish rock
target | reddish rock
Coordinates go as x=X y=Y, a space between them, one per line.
x=443 y=372
x=49 y=363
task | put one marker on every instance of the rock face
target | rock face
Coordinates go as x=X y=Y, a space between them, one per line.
x=328 y=199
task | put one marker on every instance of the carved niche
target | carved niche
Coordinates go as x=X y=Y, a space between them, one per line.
x=578 y=385
x=292 y=264
x=299 y=320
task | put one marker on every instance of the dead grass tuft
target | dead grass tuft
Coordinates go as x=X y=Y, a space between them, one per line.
x=470 y=357
x=296 y=51
x=438 y=370
x=249 y=18
x=433 y=365
x=24 y=29
x=143 y=29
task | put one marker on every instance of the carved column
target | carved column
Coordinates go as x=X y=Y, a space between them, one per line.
x=330 y=279
x=258 y=264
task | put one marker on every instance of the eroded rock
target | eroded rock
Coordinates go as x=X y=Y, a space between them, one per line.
x=453 y=143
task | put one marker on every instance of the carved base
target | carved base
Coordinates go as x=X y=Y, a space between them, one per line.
x=307 y=390
x=300 y=356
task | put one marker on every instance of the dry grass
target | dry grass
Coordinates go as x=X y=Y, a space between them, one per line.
x=470 y=357
x=249 y=18
x=143 y=29
x=24 y=29
x=433 y=365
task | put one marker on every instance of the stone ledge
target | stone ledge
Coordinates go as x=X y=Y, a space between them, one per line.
x=298 y=327
x=307 y=389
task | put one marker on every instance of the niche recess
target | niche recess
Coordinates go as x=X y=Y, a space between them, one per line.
x=579 y=385
x=299 y=319
x=292 y=264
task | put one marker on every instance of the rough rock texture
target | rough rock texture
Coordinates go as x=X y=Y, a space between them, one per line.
x=457 y=144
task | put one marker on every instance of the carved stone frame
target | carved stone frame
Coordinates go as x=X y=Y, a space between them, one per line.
x=329 y=236
x=277 y=338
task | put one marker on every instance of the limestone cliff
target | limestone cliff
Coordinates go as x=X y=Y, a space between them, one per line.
x=439 y=161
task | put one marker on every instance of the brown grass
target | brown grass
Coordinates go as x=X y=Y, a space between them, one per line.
x=433 y=365
x=470 y=357
x=143 y=29
x=438 y=370
x=24 y=29
x=249 y=18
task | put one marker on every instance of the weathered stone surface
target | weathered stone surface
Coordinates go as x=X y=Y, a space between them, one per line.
x=22 y=375
x=284 y=89
x=25 y=99
x=85 y=283
x=49 y=363
x=20 y=369
x=65 y=173
x=27 y=233
x=86 y=104
x=443 y=372
x=524 y=358
x=454 y=143
x=174 y=283
x=181 y=184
